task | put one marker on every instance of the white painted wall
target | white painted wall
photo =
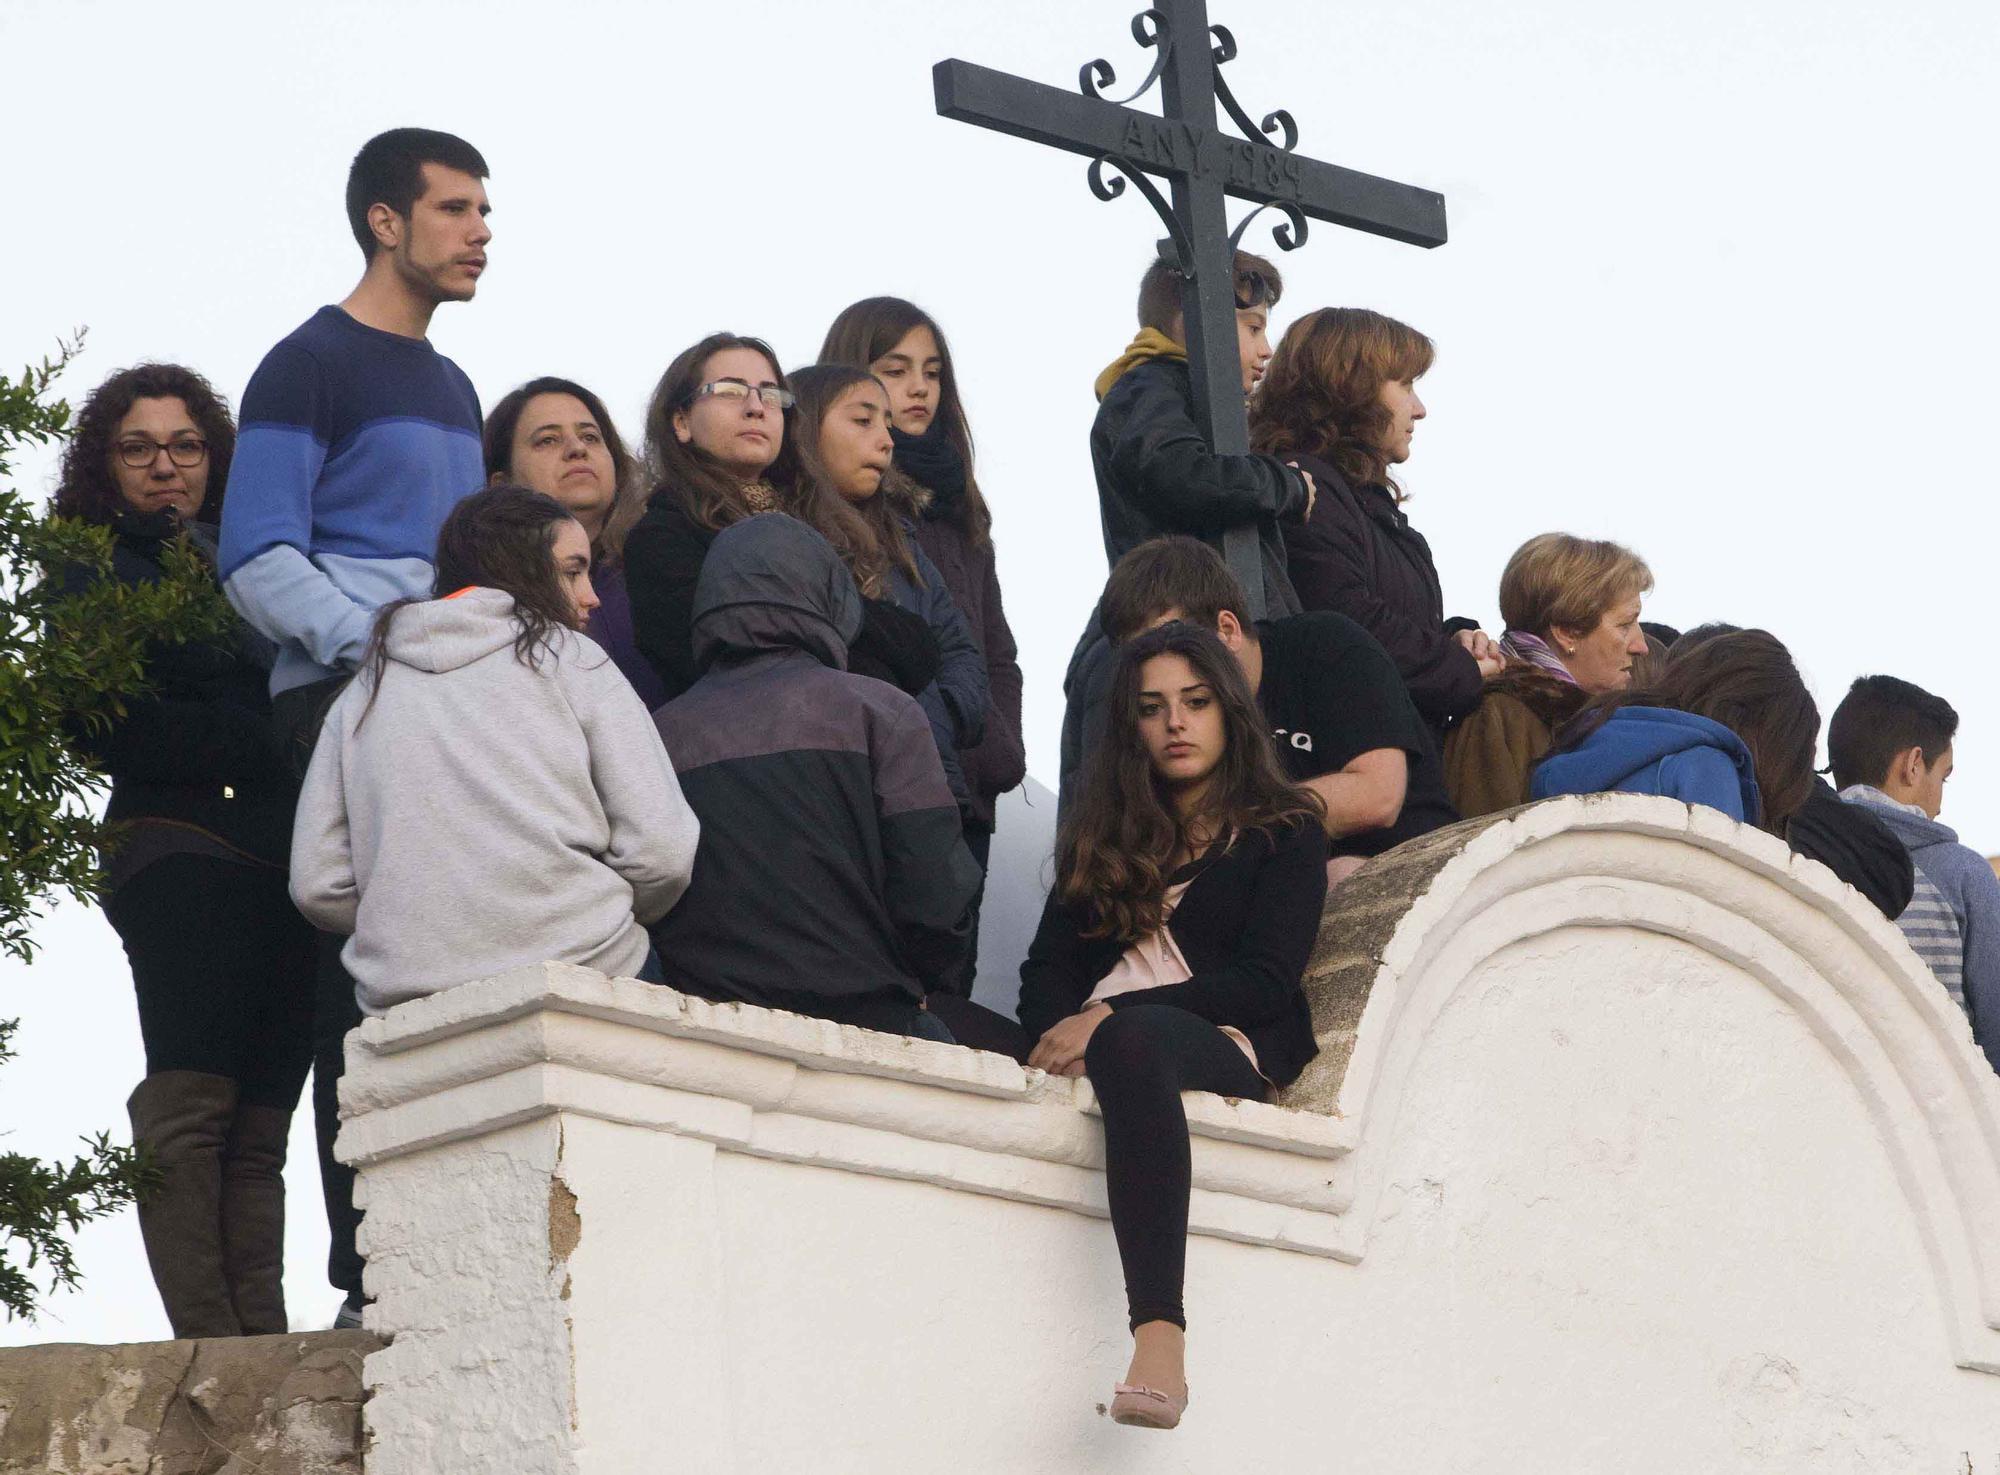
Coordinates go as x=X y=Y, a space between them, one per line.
x=1626 y=1179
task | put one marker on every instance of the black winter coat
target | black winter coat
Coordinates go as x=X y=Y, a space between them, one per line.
x=1157 y=475
x=1246 y=925
x=198 y=748
x=956 y=702
x=1358 y=555
x=663 y=557
x=998 y=761
x=831 y=863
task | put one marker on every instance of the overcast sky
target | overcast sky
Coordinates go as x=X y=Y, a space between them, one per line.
x=1720 y=285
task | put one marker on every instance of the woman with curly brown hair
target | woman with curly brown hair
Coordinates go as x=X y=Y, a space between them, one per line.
x=1189 y=884
x=1340 y=400
x=196 y=887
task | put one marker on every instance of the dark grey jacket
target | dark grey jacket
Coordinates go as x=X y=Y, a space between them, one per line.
x=831 y=861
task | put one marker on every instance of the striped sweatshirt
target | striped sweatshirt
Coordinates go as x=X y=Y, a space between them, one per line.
x=1953 y=919
x=354 y=445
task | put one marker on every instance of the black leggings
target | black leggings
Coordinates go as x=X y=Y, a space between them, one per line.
x=1139 y=1061
x=223 y=966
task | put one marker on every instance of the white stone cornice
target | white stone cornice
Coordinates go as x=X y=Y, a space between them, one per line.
x=561 y=1039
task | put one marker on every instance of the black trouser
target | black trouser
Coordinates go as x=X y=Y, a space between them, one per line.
x=299 y=713
x=222 y=963
x=335 y=1012
x=1139 y=1061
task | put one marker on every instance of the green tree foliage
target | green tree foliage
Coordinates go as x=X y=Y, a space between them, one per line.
x=68 y=665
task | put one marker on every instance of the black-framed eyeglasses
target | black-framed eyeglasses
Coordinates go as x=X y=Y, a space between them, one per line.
x=737 y=389
x=140 y=452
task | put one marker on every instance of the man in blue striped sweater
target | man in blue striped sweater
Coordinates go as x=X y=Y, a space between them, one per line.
x=1891 y=745
x=357 y=438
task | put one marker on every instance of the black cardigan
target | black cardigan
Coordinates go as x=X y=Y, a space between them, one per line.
x=1246 y=925
x=198 y=747
x=1358 y=556
x=663 y=557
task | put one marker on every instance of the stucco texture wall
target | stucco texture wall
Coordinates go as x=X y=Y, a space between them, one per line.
x=1635 y=1144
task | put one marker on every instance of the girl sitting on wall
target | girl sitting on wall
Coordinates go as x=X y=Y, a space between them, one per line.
x=489 y=792
x=1189 y=886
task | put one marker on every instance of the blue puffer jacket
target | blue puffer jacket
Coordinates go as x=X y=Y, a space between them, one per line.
x=956 y=702
x=1657 y=750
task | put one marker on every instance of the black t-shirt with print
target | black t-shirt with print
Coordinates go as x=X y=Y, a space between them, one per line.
x=1331 y=693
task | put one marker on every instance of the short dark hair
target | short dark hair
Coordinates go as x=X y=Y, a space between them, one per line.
x=87 y=489
x=1258 y=284
x=1880 y=717
x=389 y=170
x=1169 y=574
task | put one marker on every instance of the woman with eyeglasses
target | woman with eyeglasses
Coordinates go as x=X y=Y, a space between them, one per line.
x=196 y=885
x=718 y=451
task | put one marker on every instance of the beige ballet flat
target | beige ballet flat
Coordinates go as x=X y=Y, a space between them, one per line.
x=1146 y=1408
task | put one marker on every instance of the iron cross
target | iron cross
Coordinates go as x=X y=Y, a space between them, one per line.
x=1203 y=166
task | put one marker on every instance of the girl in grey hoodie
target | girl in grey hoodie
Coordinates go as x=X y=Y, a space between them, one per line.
x=489 y=792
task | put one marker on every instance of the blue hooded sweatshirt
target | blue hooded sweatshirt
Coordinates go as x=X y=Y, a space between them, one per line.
x=1657 y=750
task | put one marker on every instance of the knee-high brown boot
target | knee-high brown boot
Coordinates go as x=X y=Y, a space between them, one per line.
x=183 y=1116
x=253 y=1217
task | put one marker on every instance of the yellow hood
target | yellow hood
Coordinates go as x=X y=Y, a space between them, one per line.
x=1150 y=344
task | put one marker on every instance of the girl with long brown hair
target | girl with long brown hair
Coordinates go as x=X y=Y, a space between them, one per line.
x=444 y=855
x=720 y=448
x=1340 y=401
x=906 y=350
x=844 y=452
x=1189 y=885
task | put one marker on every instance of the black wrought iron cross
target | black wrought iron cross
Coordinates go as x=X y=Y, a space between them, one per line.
x=1203 y=166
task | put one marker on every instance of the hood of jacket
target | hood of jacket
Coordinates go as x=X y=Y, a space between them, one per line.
x=1633 y=739
x=1909 y=824
x=1151 y=344
x=772 y=583
x=445 y=634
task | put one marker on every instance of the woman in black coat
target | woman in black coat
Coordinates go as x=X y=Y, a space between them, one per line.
x=1340 y=400
x=1190 y=881
x=196 y=884
x=718 y=449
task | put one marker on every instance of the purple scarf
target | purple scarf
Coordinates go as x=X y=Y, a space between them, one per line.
x=1522 y=646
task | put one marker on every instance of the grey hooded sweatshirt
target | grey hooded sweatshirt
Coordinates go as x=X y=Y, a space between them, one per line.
x=832 y=865
x=487 y=813
x=1953 y=920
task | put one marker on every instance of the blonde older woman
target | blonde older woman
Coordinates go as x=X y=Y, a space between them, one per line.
x=1571 y=607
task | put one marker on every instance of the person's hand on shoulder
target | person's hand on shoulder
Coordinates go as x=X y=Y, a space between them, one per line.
x=1485 y=651
x=1312 y=490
